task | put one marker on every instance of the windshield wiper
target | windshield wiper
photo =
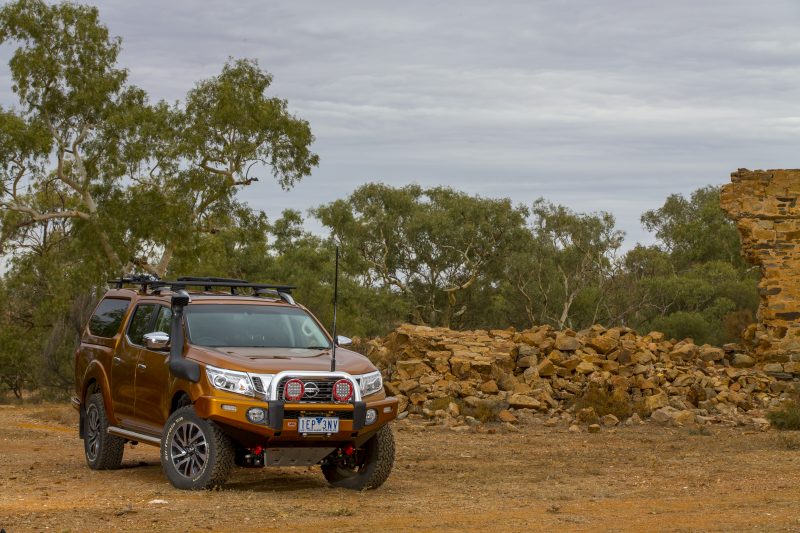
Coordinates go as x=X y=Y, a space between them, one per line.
x=317 y=348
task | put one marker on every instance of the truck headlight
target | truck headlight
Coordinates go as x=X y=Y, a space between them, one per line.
x=370 y=383
x=230 y=380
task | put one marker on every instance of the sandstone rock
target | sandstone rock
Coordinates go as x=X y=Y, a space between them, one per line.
x=574 y=428
x=527 y=361
x=683 y=351
x=773 y=367
x=609 y=420
x=594 y=428
x=711 y=353
x=546 y=368
x=656 y=401
x=634 y=420
x=532 y=337
x=603 y=344
x=506 y=416
x=586 y=368
x=490 y=387
x=520 y=401
x=792 y=367
x=567 y=343
x=761 y=424
x=663 y=415
x=407 y=385
x=741 y=360
x=530 y=375
x=413 y=368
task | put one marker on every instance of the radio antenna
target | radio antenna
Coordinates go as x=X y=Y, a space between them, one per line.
x=335 y=294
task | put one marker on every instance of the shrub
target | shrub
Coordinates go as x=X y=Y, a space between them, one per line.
x=787 y=416
x=605 y=401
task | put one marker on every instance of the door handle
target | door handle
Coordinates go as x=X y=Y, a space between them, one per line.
x=117 y=360
x=141 y=366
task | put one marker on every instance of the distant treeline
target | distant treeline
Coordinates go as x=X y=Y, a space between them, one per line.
x=96 y=180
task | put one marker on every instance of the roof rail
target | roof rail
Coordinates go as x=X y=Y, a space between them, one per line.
x=284 y=291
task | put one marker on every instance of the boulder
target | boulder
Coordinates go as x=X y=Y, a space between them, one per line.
x=567 y=343
x=521 y=401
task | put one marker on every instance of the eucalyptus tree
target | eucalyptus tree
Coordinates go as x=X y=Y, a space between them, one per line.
x=428 y=245
x=145 y=180
x=97 y=180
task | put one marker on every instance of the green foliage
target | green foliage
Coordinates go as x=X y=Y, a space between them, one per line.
x=787 y=417
x=685 y=227
x=605 y=401
x=429 y=246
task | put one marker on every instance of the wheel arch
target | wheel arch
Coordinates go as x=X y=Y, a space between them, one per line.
x=96 y=380
x=180 y=398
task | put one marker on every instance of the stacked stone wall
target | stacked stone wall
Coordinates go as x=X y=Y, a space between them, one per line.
x=764 y=204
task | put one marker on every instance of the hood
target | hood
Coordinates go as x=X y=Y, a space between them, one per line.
x=273 y=360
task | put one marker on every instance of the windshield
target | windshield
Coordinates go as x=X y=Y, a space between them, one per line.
x=253 y=326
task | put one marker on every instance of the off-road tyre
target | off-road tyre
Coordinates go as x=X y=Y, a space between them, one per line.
x=103 y=451
x=195 y=453
x=373 y=471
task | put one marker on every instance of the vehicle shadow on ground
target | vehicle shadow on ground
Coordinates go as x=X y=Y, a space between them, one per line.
x=139 y=464
x=265 y=481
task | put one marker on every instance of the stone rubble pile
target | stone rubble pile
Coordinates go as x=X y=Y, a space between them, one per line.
x=587 y=379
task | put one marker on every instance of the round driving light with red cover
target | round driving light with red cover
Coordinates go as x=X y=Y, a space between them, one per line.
x=342 y=390
x=293 y=390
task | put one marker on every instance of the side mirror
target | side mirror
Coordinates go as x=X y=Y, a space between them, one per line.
x=157 y=341
x=341 y=340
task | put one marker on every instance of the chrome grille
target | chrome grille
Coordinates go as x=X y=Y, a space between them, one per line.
x=324 y=389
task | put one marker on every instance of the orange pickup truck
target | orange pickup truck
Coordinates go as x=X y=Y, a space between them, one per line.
x=220 y=372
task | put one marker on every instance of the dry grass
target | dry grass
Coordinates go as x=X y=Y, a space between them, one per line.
x=605 y=402
x=787 y=416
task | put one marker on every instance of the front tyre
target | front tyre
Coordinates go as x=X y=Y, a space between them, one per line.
x=103 y=451
x=195 y=453
x=367 y=468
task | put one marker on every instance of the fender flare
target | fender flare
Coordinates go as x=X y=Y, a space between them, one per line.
x=96 y=372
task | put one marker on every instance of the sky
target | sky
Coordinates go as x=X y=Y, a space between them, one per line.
x=608 y=106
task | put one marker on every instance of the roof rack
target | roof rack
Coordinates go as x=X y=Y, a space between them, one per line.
x=283 y=291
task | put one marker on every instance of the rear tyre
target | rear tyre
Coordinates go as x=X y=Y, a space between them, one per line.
x=368 y=468
x=195 y=453
x=103 y=451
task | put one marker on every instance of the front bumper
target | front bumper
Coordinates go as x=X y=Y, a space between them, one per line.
x=281 y=423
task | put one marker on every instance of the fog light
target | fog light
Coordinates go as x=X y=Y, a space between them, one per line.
x=293 y=390
x=372 y=416
x=342 y=390
x=256 y=415
x=231 y=408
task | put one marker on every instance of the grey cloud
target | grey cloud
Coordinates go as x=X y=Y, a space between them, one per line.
x=597 y=105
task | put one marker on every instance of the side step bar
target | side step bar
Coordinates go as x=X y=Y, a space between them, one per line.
x=132 y=435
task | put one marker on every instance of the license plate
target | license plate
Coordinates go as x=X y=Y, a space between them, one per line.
x=318 y=424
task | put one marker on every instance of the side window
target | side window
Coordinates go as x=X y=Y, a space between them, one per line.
x=107 y=317
x=163 y=320
x=140 y=323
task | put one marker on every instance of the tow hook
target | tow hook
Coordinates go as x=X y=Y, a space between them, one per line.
x=255 y=457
